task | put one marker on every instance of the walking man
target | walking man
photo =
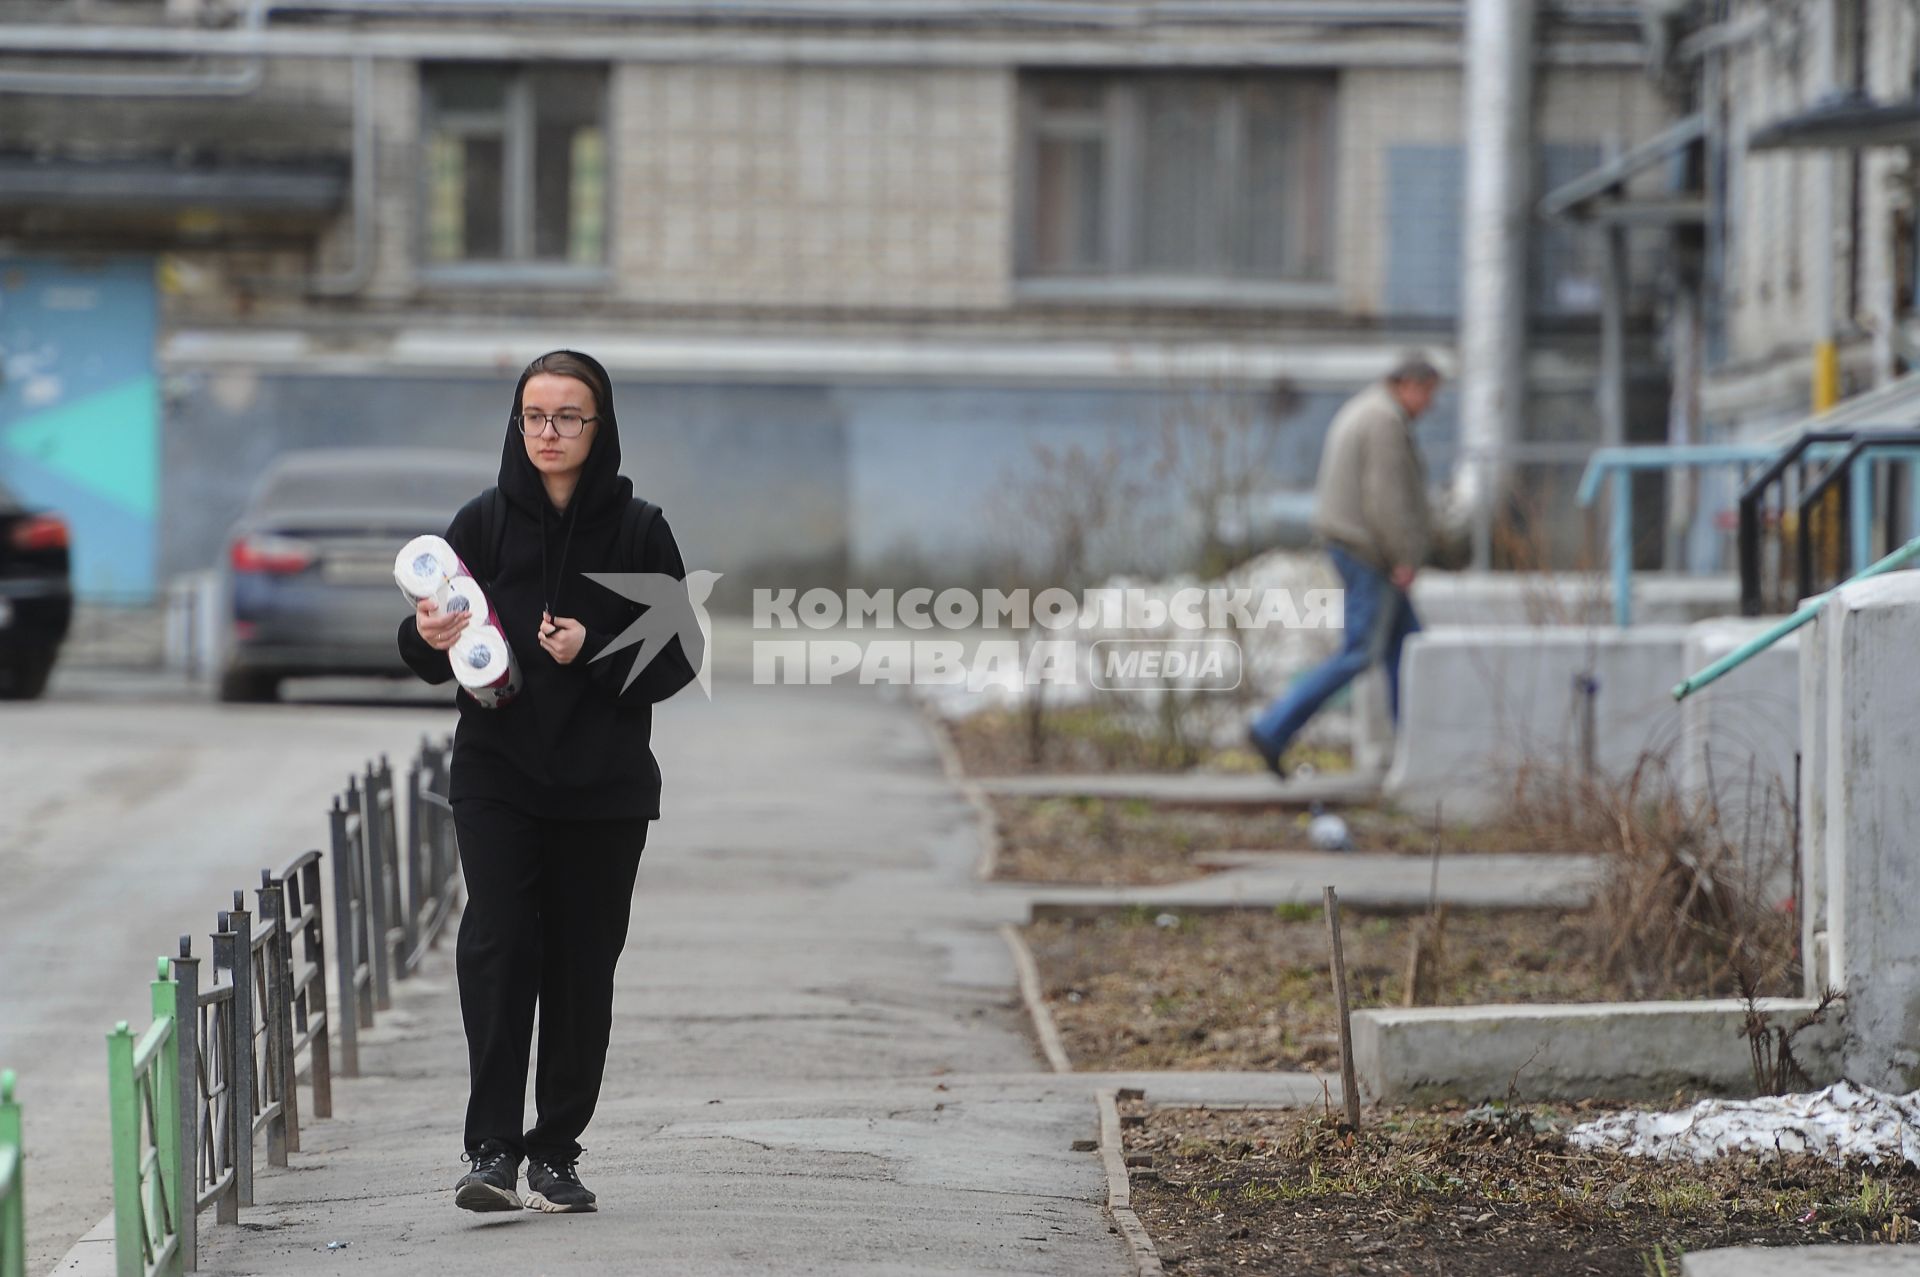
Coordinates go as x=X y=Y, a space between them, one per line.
x=1371 y=513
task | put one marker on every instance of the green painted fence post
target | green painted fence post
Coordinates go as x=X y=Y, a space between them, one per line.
x=165 y=1089
x=13 y=1208
x=129 y=1230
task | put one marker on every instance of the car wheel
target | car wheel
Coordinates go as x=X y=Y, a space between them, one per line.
x=25 y=677
x=248 y=687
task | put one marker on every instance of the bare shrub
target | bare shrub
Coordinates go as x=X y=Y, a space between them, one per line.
x=1060 y=510
x=1775 y=1069
x=1217 y=444
x=1683 y=907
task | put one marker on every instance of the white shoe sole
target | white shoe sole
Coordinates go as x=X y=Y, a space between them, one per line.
x=485 y=1197
x=536 y=1202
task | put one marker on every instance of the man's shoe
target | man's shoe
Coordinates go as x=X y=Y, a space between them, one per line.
x=1268 y=754
x=553 y=1184
x=491 y=1183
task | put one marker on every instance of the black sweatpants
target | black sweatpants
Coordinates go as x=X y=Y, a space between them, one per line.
x=545 y=920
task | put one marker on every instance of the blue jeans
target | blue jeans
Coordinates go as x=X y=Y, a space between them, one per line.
x=1379 y=618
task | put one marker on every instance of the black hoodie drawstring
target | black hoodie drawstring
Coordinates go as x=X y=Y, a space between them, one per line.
x=549 y=593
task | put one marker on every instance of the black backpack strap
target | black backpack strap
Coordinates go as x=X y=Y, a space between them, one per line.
x=635 y=524
x=493 y=532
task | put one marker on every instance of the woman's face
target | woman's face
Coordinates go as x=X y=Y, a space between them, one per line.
x=552 y=393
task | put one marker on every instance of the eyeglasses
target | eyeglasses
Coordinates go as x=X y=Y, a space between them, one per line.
x=565 y=423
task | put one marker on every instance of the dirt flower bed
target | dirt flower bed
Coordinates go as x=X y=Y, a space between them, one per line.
x=1093 y=738
x=1494 y=1192
x=1130 y=841
x=1249 y=989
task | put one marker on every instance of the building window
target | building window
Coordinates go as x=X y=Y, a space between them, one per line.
x=515 y=164
x=1177 y=178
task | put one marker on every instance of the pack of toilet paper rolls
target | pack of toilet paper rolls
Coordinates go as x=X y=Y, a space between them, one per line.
x=482 y=660
x=426 y=567
x=483 y=663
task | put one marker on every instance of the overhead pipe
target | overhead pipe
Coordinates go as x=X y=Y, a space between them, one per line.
x=1144 y=12
x=1493 y=329
x=1096 y=49
x=365 y=159
x=788 y=50
x=1826 y=351
x=242 y=83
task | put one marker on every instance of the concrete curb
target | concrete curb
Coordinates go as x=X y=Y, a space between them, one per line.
x=1146 y=1259
x=1051 y=1044
x=1587 y=1050
x=969 y=788
x=1030 y=991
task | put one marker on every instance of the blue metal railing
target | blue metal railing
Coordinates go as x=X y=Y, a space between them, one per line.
x=1855 y=452
x=1619 y=464
x=1811 y=608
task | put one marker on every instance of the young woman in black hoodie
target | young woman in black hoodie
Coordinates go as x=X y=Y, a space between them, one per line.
x=552 y=791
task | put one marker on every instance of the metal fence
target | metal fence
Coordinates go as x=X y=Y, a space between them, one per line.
x=380 y=826
x=221 y=1066
x=209 y=1133
x=307 y=979
x=143 y=1080
x=13 y=1210
x=433 y=879
x=352 y=920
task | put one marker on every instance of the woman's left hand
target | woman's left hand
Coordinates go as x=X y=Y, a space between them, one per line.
x=561 y=637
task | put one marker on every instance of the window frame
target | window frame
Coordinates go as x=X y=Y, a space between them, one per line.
x=1123 y=155
x=517 y=128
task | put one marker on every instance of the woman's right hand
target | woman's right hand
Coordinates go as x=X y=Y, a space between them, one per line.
x=439 y=629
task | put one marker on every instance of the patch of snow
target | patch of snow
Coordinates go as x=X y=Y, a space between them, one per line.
x=1270 y=655
x=1842 y=1123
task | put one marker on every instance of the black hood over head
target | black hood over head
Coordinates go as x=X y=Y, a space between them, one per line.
x=603 y=492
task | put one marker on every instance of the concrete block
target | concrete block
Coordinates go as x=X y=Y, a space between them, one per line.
x=1477 y=600
x=1737 y=744
x=1615 y=1051
x=1803 y=1261
x=1483 y=709
x=1816 y=969
x=1872 y=841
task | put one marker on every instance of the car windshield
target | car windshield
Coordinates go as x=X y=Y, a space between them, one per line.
x=362 y=488
x=9 y=504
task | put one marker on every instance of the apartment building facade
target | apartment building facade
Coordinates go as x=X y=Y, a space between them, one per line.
x=849 y=266
x=1812 y=107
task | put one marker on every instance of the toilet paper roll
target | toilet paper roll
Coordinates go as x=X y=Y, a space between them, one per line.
x=463 y=594
x=425 y=566
x=484 y=665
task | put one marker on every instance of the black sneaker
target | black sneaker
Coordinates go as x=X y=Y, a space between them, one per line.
x=554 y=1185
x=491 y=1183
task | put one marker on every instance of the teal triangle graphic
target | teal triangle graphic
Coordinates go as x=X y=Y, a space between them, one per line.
x=107 y=443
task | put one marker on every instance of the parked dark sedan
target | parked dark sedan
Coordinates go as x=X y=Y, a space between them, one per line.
x=309 y=569
x=36 y=596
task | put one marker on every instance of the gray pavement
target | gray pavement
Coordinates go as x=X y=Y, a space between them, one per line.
x=819 y=1061
x=132 y=810
x=1804 y=1261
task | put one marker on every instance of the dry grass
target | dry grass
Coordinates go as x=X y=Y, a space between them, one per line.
x=1248 y=989
x=1496 y=1192
x=1130 y=841
x=1099 y=737
x=1686 y=898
